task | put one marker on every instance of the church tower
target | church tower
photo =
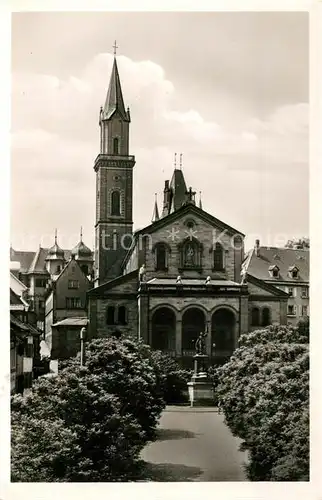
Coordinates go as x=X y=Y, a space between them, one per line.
x=114 y=184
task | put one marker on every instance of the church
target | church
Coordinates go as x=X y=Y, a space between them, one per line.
x=180 y=275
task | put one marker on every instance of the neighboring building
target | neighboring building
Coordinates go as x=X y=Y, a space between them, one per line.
x=66 y=337
x=24 y=338
x=288 y=270
x=37 y=269
x=182 y=274
x=66 y=297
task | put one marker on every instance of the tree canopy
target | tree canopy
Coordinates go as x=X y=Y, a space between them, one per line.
x=264 y=391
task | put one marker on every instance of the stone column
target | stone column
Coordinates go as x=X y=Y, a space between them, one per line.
x=244 y=317
x=179 y=338
x=143 y=314
x=208 y=338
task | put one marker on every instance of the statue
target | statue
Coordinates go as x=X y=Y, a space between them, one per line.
x=142 y=273
x=190 y=255
x=200 y=344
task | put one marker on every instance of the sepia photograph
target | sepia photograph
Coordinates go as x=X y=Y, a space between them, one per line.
x=159 y=247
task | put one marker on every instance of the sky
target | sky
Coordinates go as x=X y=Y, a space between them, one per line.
x=227 y=90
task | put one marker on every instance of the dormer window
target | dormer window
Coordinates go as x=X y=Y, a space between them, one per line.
x=274 y=271
x=293 y=272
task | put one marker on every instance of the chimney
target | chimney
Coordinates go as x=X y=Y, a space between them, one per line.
x=257 y=248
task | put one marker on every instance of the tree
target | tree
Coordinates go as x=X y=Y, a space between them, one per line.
x=264 y=392
x=88 y=423
x=301 y=243
x=171 y=378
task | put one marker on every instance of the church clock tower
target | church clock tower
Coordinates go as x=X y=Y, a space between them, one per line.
x=114 y=184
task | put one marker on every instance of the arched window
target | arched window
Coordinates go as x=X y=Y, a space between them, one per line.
x=58 y=269
x=115 y=203
x=266 y=316
x=115 y=146
x=110 y=315
x=121 y=317
x=218 y=257
x=255 y=316
x=161 y=257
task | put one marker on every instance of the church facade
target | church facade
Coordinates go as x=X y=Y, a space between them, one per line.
x=180 y=275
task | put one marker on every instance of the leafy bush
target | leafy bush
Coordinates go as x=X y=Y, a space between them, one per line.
x=264 y=391
x=171 y=378
x=88 y=423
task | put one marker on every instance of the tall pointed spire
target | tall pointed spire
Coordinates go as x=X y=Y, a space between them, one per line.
x=114 y=99
x=200 y=202
x=155 y=215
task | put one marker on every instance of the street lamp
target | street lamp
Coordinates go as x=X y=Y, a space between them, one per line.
x=82 y=342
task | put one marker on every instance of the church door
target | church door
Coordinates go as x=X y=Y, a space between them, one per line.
x=164 y=330
x=223 y=326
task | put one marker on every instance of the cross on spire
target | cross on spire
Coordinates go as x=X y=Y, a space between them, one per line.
x=190 y=194
x=175 y=160
x=81 y=233
x=115 y=47
x=56 y=236
x=180 y=161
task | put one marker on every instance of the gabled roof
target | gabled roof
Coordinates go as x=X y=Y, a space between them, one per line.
x=112 y=283
x=72 y=322
x=267 y=286
x=62 y=272
x=168 y=219
x=24 y=327
x=268 y=257
x=114 y=99
x=34 y=262
x=25 y=259
x=15 y=300
x=38 y=263
x=187 y=209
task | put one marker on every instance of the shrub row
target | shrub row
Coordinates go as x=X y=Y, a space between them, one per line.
x=264 y=392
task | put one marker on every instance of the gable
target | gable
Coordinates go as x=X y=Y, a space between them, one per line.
x=125 y=284
x=194 y=211
x=259 y=287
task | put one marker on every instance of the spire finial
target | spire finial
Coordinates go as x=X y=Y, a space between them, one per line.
x=200 y=202
x=81 y=233
x=175 y=160
x=155 y=216
x=114 y=48
x=56 y=236
x=180 y=161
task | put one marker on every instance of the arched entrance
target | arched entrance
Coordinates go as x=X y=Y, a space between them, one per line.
x=223 y=325
x=193 y=322
x=164 y=330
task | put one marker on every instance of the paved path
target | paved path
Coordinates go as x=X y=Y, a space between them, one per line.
x=194 y=444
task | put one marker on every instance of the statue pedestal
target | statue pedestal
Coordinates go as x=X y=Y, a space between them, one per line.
x=200 y=389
